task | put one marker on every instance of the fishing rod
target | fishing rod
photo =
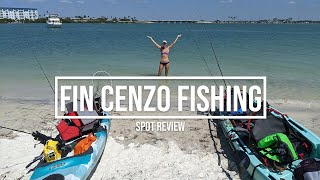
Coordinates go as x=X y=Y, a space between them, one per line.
x=211 y=120
x=199 y=51
x=21 y=131
x=212 y=48
x=17 y=130
x=37 y=135
x=45 y=75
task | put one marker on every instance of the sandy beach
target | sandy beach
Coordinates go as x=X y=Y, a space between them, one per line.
x=130 y=154
x=278 y=42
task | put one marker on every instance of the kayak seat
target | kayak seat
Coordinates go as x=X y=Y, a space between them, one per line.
x=271 y=125
x=290 y=142
x=77 y=122
x=96 y=105
x=88 y=124
x=260 y=128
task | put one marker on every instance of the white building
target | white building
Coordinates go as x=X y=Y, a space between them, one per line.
x=18 y=13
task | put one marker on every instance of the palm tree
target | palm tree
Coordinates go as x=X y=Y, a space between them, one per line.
x=232 y=17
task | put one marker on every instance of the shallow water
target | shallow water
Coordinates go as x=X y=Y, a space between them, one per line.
x=287 y=54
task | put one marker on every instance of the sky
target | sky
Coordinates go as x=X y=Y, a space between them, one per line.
x=176 y=9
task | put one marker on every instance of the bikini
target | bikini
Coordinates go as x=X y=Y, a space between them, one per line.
x=164 y=63
x=162 y=53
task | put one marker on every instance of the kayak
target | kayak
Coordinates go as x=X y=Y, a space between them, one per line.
x=76 y=151
x=79 y=166
x=243 y=136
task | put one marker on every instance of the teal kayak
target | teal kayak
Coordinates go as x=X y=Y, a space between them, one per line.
x=241 y=133
x=76 y=167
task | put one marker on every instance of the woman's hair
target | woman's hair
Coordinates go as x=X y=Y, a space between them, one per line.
x=162 y=48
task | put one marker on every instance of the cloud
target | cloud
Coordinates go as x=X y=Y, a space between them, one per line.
x=226 y=1
x=66 y=1
x=292 y=2
x=80 y=2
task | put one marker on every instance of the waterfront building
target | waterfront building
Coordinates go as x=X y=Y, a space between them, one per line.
x=18 y=13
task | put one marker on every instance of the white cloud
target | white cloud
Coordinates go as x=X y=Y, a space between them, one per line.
x=292 y=2
x=226 y=1
x=66 y=1
x=80 y=2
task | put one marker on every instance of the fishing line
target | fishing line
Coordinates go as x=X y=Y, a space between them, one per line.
x=36 y=58
x=198 y=48
x=14 y=165
x=212 y=47
x=17 y=130
x=199 y=51
x=209 y=120
x=45 y=75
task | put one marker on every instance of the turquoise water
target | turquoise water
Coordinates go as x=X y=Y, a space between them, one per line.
x=287 y=54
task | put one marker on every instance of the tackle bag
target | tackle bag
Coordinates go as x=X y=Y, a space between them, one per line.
x=308 y=169
x=84 y=144
x=51 y=151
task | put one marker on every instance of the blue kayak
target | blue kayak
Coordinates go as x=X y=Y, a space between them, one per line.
x=76 y=167
x=241 y=133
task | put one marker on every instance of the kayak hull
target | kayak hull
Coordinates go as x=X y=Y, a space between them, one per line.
x=252 y=164
x=76 y=167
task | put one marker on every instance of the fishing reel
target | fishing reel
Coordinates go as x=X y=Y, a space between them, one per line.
x=41 y=137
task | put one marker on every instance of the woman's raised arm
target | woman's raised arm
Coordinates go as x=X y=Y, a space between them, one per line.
x=154 y=42
x=171 y=45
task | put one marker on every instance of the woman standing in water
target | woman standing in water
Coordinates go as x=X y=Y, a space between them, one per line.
x=164 y=49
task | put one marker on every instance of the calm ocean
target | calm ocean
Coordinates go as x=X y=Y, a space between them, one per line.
x=287 y=54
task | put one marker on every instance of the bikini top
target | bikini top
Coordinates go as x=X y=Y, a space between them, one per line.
x=165 y=52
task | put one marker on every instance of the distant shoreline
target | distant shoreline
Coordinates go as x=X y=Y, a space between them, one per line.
x=135 y=21
x=163 y=23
